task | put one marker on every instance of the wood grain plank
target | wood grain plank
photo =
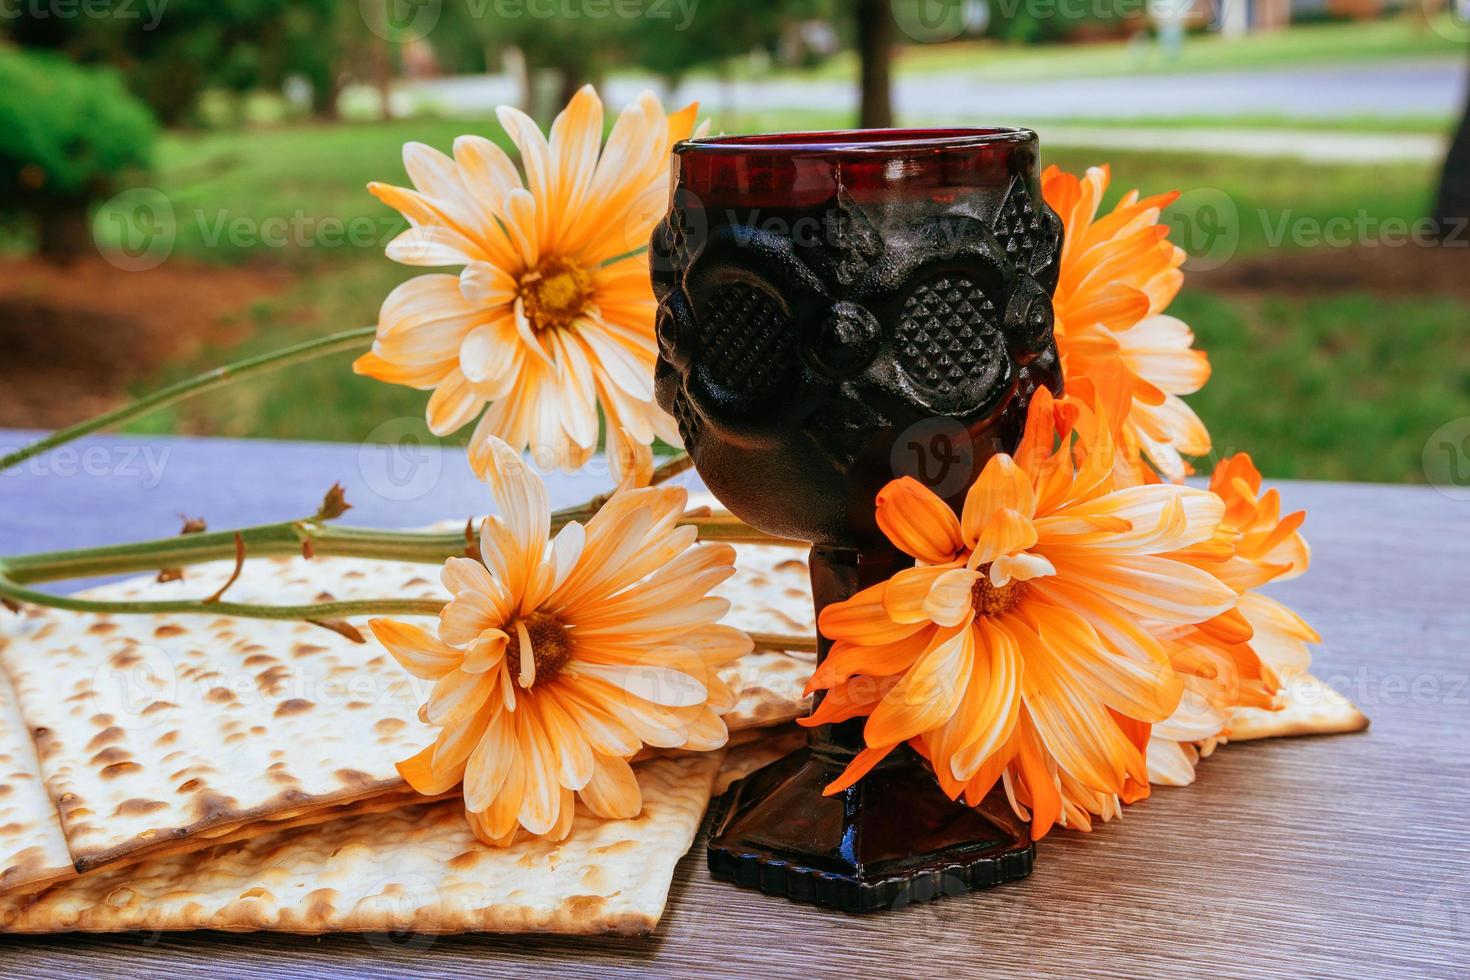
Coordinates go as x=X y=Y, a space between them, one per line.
x=1318 y=857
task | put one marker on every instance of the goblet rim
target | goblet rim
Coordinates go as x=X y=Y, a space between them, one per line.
x=857 y=142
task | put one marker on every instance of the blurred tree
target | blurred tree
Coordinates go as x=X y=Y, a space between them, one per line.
x=71 y=135
x=1452 y=204
x=717 y=31
x=578 y=48
x=875 y=53
x=170 y=54
x=317 y=43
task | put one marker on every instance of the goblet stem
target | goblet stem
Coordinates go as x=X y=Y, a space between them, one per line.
x=838 y=574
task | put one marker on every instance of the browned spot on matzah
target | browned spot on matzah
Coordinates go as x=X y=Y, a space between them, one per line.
x=111 y=755
x=167 y=630
x=206 y=806
x=220 y=695
x=463 y=861
x=124 y=659
x=319 y=904
x=105 y=737
x=354 y=777
x=137 y=807
x=294 y=706
x=271 y=681
x=120 y=769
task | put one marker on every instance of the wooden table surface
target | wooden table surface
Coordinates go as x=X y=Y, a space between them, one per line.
x=1326 y=856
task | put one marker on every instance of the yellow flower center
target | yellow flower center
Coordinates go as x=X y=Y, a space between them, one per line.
x=992 y=600
x=550 y=646
x=555 y=293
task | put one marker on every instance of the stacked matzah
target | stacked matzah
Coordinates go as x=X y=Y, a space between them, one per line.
x=161 y=736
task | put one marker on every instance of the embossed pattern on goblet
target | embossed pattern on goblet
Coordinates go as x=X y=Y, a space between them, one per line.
x=836 y=310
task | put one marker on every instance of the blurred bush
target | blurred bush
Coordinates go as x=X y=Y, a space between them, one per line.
x=68 y=137
x=171 y=51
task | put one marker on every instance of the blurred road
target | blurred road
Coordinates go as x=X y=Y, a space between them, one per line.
x=1389 y=89
x=1302 y=144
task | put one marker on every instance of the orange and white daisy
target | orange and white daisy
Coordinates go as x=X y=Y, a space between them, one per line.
x=551 y=317
x=1119 y=272
x=1245 y=658
x=1011 y=651
x=558 y=660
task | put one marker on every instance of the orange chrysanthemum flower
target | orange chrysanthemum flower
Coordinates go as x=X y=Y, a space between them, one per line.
x=1012 y=650
x=557 y=661
x=1119 y=272
x=1242 y=659
x=552 y=315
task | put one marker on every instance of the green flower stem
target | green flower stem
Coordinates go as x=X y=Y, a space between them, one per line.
x=208 y=381
x=294 y=538
x=290 y=538
x=323 y=611
x=778 y=643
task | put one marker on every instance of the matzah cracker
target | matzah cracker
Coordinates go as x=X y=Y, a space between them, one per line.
x=415 y=869
x=163 y=734
x=770 y=689
x=33 y=851
x=154 y=730
x=1312 y=708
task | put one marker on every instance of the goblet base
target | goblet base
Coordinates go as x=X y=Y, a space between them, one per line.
x=891 y=840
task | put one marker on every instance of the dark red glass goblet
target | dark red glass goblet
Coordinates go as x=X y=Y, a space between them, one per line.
x=836 y=310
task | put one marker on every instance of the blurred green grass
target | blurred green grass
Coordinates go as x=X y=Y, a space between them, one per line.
x=1340 y=386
